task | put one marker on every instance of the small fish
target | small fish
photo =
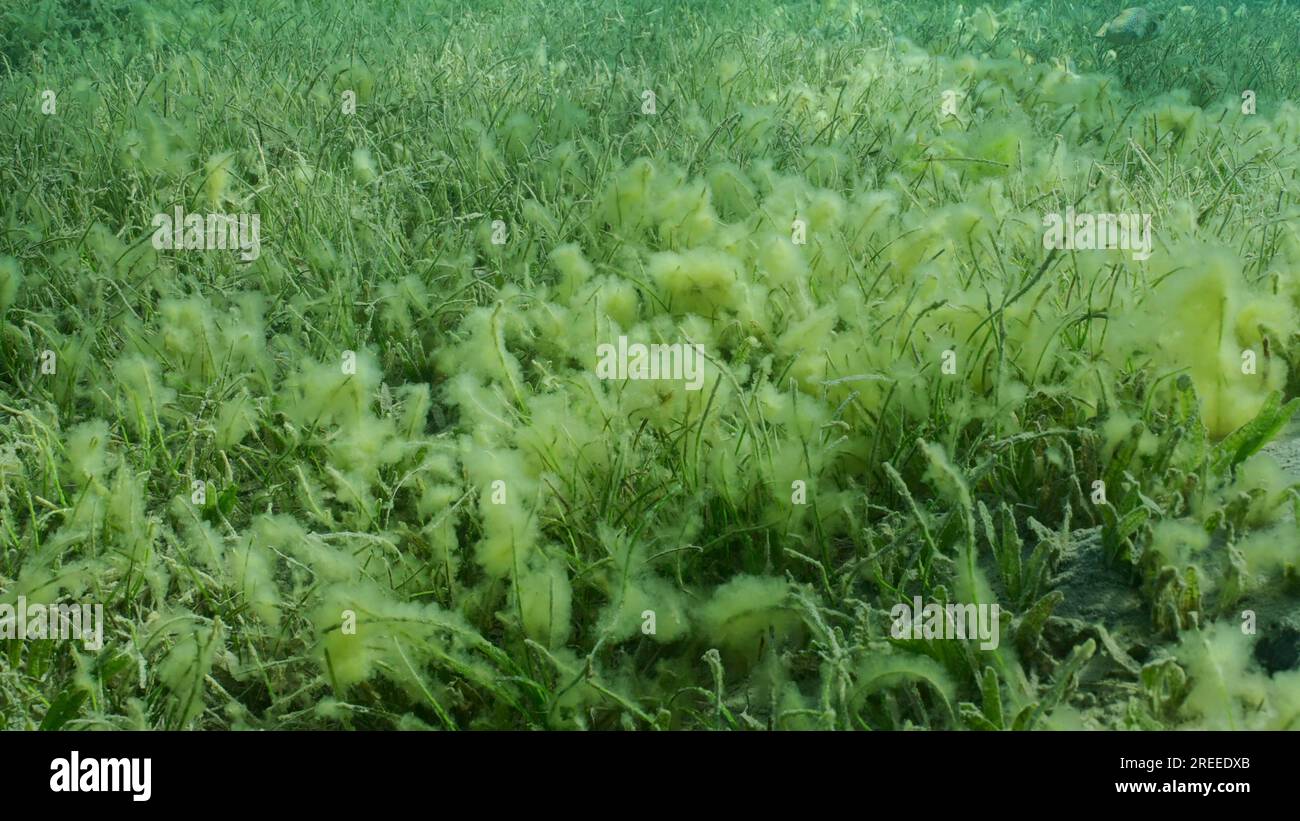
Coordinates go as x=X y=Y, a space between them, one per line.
x=1131 y=25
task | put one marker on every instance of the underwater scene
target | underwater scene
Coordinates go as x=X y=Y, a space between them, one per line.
x=649 y=365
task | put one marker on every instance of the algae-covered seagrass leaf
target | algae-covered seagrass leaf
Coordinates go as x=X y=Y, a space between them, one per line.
x=1030 y=627
x=881 y=670
x=227 y=498
x=1025 y=718
x=1114 y=650
x=1038 y=569
x=1132 y=521
x=1247 y=440
x=1008 y=547
x=1063 y=682
x=1117 y=533
x=990 y=689
x=1165 y=684
x=974 y=719
x=65 y=707
x=211 y=510
x=988 y=716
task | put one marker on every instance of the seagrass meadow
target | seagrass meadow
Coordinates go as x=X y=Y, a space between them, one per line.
x=302 y=307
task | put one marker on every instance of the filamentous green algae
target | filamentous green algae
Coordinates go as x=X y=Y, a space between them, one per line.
x=749 y=365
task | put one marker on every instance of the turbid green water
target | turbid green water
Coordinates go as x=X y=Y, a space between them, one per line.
x=650 y=364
